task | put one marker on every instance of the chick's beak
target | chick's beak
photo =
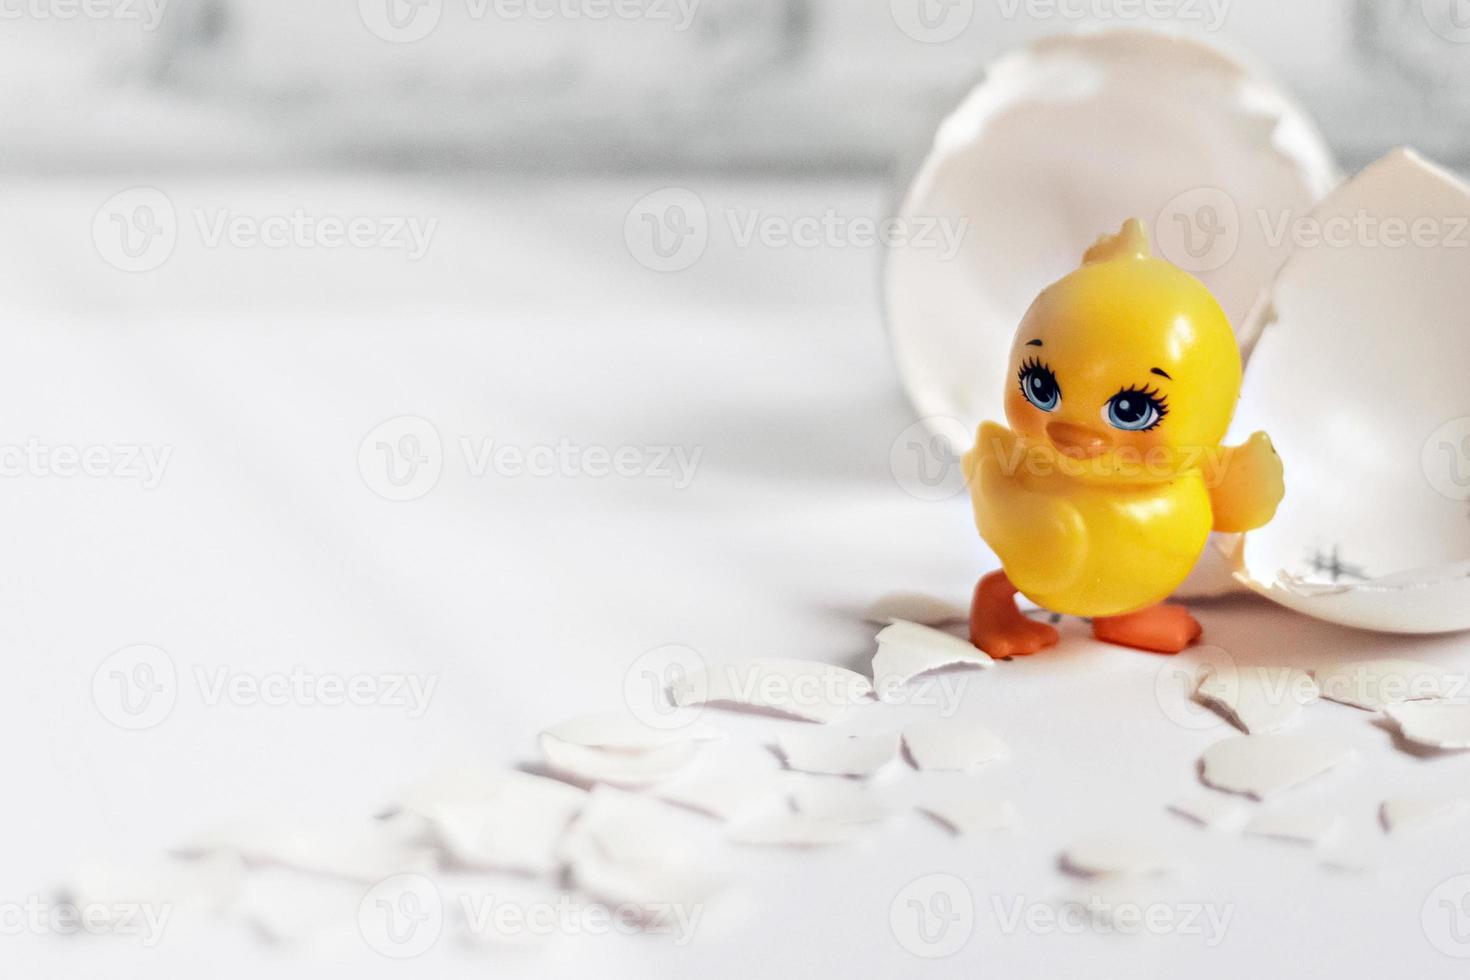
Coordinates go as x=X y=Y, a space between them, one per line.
x=1078 y=441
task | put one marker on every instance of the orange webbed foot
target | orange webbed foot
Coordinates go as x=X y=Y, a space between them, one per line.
x=1158 y=629
x=997 y=625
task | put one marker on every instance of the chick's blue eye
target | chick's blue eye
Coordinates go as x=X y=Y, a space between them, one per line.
x=1039 y=386
x=1135 y=410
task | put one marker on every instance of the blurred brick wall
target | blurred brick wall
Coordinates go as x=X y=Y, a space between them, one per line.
x=790 y=85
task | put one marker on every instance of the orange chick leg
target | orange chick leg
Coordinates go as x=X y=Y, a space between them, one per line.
x=997 y=626
x=1159 y=629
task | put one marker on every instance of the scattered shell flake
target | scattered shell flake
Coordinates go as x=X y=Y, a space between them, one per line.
x=1376 y=684
x=835 y=754
x=839 y=800
x=1211 y=810
x=973 y=815
x=952 y=746
x=1257 y=699
x=806 y=689
x=627 y=769
x=1265 y=765
x=906 y=650
x=1310 y=827
x=1408 y=812
x=1432 y=724
x=1102 y=856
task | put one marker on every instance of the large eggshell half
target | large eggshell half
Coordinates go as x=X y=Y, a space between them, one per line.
x=1061 y=142
x=1361 y=374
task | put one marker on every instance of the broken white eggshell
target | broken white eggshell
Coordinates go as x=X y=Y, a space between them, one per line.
x=1061 y=142
x=835 y=754
x=621 y=731
x=796 y=830
x=1212 y=811
x=952 y=746
x=1432 y=724
x=972 y=814
x=1406 y=812
x=496 y=819
x=906 y=650
x=1103 y=856
x=1257 y=698
x=806 y=689
x=1374 y=684
x=840 y=800
x=1374 y=531
x=628 y=769
x=1312 y=827
x=1262 y=766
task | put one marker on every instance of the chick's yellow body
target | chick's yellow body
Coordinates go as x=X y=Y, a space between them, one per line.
x=1084 y=548
x=1100 y=495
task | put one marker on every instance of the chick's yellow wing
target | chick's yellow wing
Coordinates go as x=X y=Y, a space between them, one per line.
x=1039 y=537
x=1246 y=485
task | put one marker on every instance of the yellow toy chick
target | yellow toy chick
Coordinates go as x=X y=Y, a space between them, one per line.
x=1099 y=498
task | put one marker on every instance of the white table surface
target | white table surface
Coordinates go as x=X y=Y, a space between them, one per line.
x=528 y=322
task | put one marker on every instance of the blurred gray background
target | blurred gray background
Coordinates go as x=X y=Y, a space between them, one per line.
x=572 y=86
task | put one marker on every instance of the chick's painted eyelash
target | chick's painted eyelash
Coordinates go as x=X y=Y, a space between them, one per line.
x=1034 y=364
x=1159 y=400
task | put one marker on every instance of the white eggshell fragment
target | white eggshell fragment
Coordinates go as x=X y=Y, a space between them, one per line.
x=953 y=746
x=1212 y=811
x=1103 y=856
x=628 y=769
x=1310 y=827
x=1264 y=765
x=906 y=650
x=1375 y=684
x=835 y=754
x=796 y=830
x=1062 y=141
x=621 y=731
x=914 y=607
x=805 y=689
x=972 y=814
x=1257 y=699
x=1432 y=724
x=496 y=819
x=837 y=799
x=1407 y=812
x=1368 y=311
x=725 y=787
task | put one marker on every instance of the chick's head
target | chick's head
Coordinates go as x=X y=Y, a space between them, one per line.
x=1128 y=356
